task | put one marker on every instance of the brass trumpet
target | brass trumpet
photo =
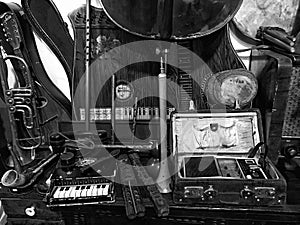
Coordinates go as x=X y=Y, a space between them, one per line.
x=22 y=113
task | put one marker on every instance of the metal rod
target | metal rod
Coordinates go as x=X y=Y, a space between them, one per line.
x=280 y=36
x=87 y=67
x=279 y=43
x=163 y=179
x=133 y=146
x=113 y=108
x=135 y=107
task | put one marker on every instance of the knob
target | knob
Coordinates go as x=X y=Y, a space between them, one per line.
x=8 y=93
x=291 y=151
x=30 y=211
x=67 y=159
x=57 y=142
x=12 y=109
x=11 y=101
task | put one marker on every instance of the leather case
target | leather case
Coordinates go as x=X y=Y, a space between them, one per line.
x=220 y=158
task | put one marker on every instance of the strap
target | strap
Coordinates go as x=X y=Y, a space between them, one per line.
x=46 y=20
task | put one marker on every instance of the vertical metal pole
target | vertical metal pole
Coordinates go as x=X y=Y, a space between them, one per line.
x=163 y=179
x=113 y=108
x=87 y=67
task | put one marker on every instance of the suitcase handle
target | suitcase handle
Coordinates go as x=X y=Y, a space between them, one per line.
x=228 y=202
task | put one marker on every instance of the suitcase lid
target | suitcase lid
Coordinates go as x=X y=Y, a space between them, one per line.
x=233 y=133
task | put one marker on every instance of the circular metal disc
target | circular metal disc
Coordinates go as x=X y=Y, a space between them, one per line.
x=230 y=87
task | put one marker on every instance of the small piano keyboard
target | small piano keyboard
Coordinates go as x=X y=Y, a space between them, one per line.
x=82 y=177
x=124 y=113
x=81 y=191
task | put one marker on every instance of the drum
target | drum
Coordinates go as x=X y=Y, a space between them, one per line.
x=169 y=19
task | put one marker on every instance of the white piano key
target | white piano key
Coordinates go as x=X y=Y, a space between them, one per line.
x=98 y=114
x=77 y=191
x=117 y=113
x=139 y=113
x=83 y=191
x=92 y=114
x=67 y=192
x=89 y=191
x=94 y=191
x=122 y=113
x=107 y=113
x=156 y=113
x=55 y=192
x=72 y=192
x=58 y=192
x=99 y=190
x=151 y=113
x=105 y=189
x=62 y=193
x=126 y=113
x=101 y=114
x=147 y=114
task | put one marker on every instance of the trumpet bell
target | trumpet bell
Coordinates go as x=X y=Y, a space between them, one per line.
x=12 y=178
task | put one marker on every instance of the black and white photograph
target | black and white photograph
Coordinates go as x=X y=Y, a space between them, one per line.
x=149 y=112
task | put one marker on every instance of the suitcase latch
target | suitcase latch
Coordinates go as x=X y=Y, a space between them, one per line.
x=246 y=192
x=210 y=193
x=193 y=192
x=264 y=193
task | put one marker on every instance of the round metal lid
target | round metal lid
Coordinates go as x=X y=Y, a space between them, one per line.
x=232 y=88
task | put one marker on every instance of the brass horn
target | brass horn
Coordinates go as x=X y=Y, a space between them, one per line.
x=22 y=112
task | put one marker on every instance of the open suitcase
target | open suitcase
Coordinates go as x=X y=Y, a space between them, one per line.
x=220 y=158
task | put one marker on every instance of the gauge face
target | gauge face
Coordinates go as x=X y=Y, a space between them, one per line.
x=171 y=19
x=255 y=13
x=124 y=91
